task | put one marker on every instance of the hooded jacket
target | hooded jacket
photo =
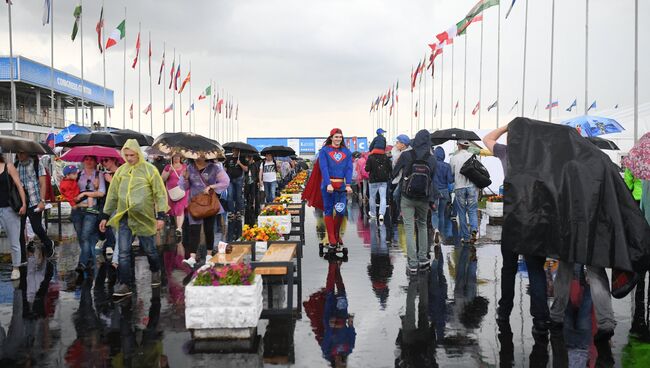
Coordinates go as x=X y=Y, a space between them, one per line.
x=444 y=175
x=137 y=191
x=421 y=145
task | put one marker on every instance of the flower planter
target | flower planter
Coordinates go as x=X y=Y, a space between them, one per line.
x=228 y=311
x=296 y=198
x=494 y=209
x=283 y=222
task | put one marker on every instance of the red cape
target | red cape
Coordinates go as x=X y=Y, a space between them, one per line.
x=312 y=193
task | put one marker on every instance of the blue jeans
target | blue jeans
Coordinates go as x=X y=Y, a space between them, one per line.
x=85 y=224
x=438 y=216
x=236 y=195
x=467 y=206
x=374 y=189
x=125 y=242
x=269 y=190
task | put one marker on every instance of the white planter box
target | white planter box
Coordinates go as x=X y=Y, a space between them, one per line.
x=494 y=209
x=66 y=210
x=283 y=222
x=296 y=198
x=212 y=307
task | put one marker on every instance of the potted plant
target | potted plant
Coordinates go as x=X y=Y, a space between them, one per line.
x=283 y=199
x=260 y=235
x=276 y=214
x=228 y=298
x=494 y=206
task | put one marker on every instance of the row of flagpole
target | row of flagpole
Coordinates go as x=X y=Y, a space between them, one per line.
x=224 y=119
x=475 y=15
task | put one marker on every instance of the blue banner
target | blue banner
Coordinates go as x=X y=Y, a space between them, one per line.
x=31 y=72
x=307 y=146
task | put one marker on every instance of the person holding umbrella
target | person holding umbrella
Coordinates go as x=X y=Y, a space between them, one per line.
x=269 y=177
x=174 y=177
x=466 y=194
x=9 y=218
x=236 y=169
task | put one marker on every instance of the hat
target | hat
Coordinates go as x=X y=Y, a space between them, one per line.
x=463 y=142
x=380 y=131
x=334 y=131
x=70 y=169
x=403 y=138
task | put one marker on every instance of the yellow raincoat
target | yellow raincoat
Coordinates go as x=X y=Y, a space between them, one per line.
x=136 y=190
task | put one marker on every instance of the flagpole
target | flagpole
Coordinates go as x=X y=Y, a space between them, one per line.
x=424 y=98
x=480 y=77
x=173 y=95
x=103 y=50
x=164 y=84
x=587 y=55
x=150 y=89
x=52 y=112
x=124 y=75
x=442 y=84
x=210 y=112
x=180 y=98
x=636 y=71
x=433 y=84
x=417 y=128
x=191 y=129
x=411 y=87
x=465 y=83
x=397 y=109
x=523 y=83
x=550 y=88
x=452 y=86
x=237 y=119
x=139 y=77
x=11 y=73
x=498 y=60
x=81 y=30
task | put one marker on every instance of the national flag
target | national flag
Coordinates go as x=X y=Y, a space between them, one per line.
x=573 y=104
x=592 y=106
x=435 y=110
x=416 y=109
x=162 y=67
x=535 y=108
x=169 y=108
x=616 y=106
x=387 y=98
x=552 y=105
x=171 y=74
x=219 y=104
x=191 y=108
x=77 y=18
x=46 y=12
x=465 y=23
x=397 y=92
x=185 y=81
x=116 y=35
x=206 y=93
x=414 y=76
x=513 y=106
x=493 y=105
x=177 y=76
x=510 y=9
x=150 y=55
x=476 y=108
x=147 y=110
x=131 y=110
x=447 y=36
x=137 y=51
x=480 y=6
x=237 y=112
x=99 y=28
x=456 y=108
x=49 y=140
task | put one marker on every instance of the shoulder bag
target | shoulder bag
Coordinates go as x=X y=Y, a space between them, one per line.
x=474 y=170
x=204 y=205
x=176 y=193
x=14 y=197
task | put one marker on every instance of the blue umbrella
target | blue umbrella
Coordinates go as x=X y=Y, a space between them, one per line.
x=73 y=129
x=592 y=126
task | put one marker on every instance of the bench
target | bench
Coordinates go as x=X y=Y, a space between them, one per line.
x=277 y=253
x=277 y=268
x=239 y=251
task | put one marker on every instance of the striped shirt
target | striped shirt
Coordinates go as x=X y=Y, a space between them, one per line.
x=30 y=181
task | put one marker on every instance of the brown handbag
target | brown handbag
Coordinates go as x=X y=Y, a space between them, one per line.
x=204 y=205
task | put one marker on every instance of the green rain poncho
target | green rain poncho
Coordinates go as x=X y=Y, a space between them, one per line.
x=137 y=191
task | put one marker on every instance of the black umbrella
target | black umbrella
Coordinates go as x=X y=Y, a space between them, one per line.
x=603 y=143
x=278 y=151
x=189 y=145
x=14 y=143
x=441 y=136
x=143 y=139
x=48 y=149
x=103 y=139
x=243 y=147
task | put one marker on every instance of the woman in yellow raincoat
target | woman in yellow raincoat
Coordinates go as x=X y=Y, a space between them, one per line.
x=138 y=199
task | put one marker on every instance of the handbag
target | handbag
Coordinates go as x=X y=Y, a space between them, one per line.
x=14 y=197
x=474 y=170
x=176 y=193
x=204 y=205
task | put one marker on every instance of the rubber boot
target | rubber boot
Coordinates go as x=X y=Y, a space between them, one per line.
x=331 y=233
x=338 y=220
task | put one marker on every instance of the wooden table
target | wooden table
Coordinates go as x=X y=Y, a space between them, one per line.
x=277 y=253
x=236 y=256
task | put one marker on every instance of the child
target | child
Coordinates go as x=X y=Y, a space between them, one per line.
x=70 y=190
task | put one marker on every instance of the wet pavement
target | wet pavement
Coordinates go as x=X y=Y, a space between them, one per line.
x=374 y=316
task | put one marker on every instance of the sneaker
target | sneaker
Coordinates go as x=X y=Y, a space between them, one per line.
x=190 y=262
x=371 y=215
x=109 y=251
x=15 y=274
x=92 y=210
x=155 y=279
x=424 y=266
x=122 y=290
x=474 y=237
x=411 y=271
x=436 y=237
x=48 y=251
x=381 y=219
x=179 y=234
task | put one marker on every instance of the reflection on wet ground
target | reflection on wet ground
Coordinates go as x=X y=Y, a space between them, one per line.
x=361 y=310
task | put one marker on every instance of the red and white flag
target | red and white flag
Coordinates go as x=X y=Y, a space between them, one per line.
x=162 y=67
x=447 y=36
x=131 y=111
x=150 y=56
x=476 y=108
x=169 y=108
x=147 y=110
x=137 y=51
x=98 y=28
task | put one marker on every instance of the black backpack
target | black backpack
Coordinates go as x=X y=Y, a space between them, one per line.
x=417 y=184
x=474 y=170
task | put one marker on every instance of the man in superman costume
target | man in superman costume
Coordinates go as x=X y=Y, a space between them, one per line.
x=329 y=184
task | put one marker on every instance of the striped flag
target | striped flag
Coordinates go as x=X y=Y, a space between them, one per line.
x=492 y=106
x=573 y=104
x=137 y=51
x=551 y=105
x=98 y=28
x=131 y=110
x=169 y=108
x=206 y=93
x=511 y=6
x=513 y=106
x=456 y=108
x=592 y=106
x=476 y=108
x=77 y=18
x=147 y=110
x=177 y=76
x=116 y=35
x=46 y=12
x=162 y=67
x=171 y=74
x=190 y=109
x=150 y=55
x=185 y=81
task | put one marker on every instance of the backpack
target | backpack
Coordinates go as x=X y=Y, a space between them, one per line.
x=417 y=183
x=474 y=170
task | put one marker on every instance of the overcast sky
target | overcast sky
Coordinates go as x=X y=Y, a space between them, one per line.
x=299 y=68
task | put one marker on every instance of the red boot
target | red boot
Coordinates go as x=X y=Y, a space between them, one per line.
x=338 y=220
x=331 y=233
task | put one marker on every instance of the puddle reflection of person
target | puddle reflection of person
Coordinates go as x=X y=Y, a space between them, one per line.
x=418 y=346
x=331 y=322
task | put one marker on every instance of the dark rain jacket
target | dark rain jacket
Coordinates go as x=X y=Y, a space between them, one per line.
x=421 y=145
x=565 y=199
x=379 y=168
x=444 y=175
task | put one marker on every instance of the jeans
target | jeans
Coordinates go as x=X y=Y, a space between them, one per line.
x=600 y=294
x=467 y=205
x=381 y=189
x=438 y=216
x=236 y=195
x=269 y=190
x=36 y=220
x=85 y=224
x=413 y=211
x=10 y=222
x=125 y=243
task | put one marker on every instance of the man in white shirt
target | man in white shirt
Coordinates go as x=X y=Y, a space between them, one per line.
x=466 y=194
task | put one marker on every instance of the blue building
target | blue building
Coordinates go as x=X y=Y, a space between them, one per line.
x=33 y=84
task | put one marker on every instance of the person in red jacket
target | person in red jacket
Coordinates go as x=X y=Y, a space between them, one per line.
x=70 y=189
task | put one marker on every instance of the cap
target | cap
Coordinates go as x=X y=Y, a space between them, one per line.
x=381 y=131
x=334 y=131
x=70 y=169
x=463 y=142
x=403 y=138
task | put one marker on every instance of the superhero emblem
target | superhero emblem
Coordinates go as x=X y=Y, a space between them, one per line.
x=339 y=207
x=337 y=156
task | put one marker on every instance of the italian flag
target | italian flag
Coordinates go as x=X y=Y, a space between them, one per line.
x=206 y=93
x=116 y=35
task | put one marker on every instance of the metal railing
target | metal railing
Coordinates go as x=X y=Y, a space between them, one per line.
x=29 y=117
